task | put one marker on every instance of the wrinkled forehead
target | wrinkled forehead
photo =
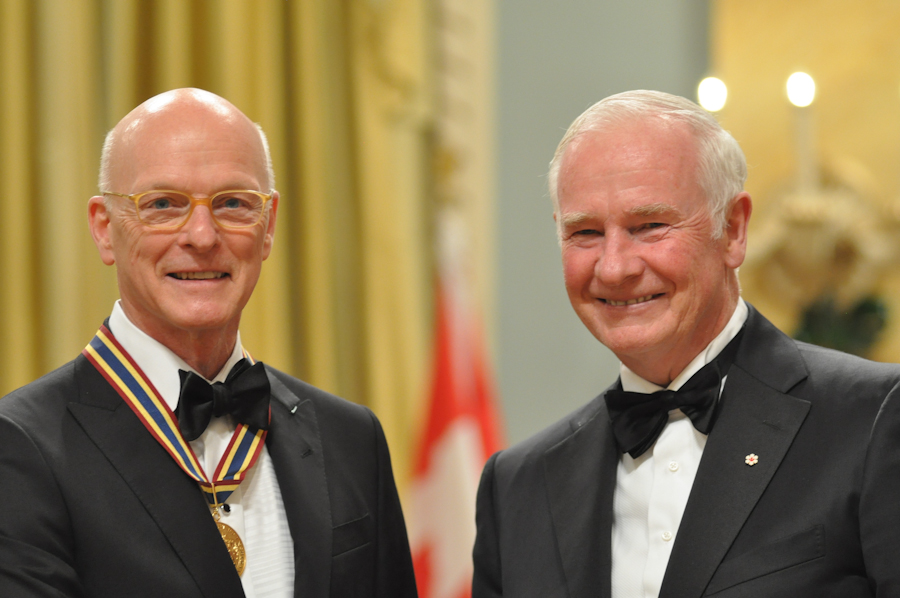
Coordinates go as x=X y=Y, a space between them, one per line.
x=634 y=132
x=617 y=147
x=163 y=127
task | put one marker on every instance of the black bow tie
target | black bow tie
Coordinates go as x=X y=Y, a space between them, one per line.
x=639 y=418
x=244 y=395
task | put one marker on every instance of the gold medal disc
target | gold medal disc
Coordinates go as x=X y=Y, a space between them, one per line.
x=234 y=545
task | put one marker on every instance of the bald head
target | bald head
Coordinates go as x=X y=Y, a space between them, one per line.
x=173 y=116
x=186 y=285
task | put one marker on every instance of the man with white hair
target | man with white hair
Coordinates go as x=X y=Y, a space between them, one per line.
x=163 y=461
x=727 y=459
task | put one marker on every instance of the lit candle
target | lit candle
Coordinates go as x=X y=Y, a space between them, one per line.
x=712 y=93
x=801 y=90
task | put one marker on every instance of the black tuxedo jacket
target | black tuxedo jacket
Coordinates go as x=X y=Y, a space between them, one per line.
x=817 y=516
x=92 y=506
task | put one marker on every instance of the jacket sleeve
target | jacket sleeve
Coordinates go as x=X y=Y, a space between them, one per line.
x=487 y=580
x=37 y=553
x=394 y=570
x=879 y=505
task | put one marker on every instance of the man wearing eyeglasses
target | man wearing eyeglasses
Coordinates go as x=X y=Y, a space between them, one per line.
x=165 y=461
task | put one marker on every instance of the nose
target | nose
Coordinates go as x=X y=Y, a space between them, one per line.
x=200 y=231
x=618 y=261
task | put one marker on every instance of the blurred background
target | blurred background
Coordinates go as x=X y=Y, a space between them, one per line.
x=415 y=267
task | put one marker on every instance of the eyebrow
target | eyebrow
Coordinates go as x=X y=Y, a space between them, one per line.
x=166 y=186
x=655 y=209
x=574 y=219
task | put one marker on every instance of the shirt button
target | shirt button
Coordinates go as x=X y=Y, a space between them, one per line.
x=666 y=536
x=673 y=465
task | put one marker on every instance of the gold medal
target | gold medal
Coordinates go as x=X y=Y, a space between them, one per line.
x=232 y=540
x=234 y=545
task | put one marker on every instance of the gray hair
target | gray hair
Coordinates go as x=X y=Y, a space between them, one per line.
x=721 y=165
x=106 y=152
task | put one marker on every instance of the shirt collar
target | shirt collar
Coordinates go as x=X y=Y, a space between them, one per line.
x=634 y=383
x=158 y=362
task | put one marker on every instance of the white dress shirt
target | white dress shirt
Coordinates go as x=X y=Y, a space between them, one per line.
x=652 y=490
x=256 y=508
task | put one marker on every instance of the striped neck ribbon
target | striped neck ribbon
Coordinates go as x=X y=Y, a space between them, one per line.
x=127 y=378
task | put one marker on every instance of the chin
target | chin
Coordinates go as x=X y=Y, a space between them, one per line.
x=630 y=342
x=202 y=319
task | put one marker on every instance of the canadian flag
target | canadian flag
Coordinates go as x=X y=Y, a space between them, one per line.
x=461 y=432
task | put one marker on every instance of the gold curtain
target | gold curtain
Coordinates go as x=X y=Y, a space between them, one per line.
x=342 y=88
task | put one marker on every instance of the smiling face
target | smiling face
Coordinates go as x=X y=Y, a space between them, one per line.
x=641 y=266
x=194 y=281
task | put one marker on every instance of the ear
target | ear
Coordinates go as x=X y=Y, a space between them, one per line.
x=270 y=226
x=98 y=220
x=736 y=222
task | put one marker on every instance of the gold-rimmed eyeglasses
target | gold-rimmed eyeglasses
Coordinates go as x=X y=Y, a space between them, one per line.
x=167 y=209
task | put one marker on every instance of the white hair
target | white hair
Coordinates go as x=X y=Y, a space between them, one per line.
x=270 y=170
x=721 y=165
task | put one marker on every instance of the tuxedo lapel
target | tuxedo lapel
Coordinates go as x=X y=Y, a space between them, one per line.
x=755 y=417
x=171 y=498
x=296 y=450
x=580 y=473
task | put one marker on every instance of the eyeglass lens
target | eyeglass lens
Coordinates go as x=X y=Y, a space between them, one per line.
x=167 y=209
